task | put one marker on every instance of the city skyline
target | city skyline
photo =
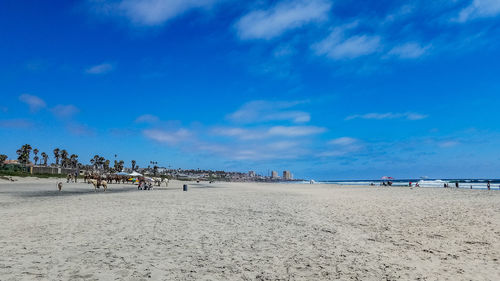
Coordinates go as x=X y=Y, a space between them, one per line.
x=326 y=89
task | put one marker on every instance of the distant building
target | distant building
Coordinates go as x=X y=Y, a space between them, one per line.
x=274 y=175
x=287 y=175
x=251 y=174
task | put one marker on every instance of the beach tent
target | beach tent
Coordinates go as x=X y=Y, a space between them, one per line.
x=135 y=174
x=121 y=174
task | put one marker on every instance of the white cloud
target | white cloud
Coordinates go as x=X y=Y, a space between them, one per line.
x=15 y=123
x=256 y=151
x=35 y=103
x=147 y=118
x=274 y=131
x=100 y=68
x=264 y=111
x=238 y=133
x=408 y=51
x=447 y=144
x=337 y=46
x=168 y=137
x=64 y=111
x=285 y=16
x=149 y=12
x=80 y=129
x=341 y=146
x=389 y=115
x=343 y=141
x=479 y=9
x=295 y=131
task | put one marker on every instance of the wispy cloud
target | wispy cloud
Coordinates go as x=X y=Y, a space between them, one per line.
x=449 y=143
x=271 y=132
x=409 y=50
x=343 y=141
x=170 y=137
x=35 y=103
x=479 y=9
x=339 y=46
x=149 y=12
x=284 y=16
x=78 y=129
x=265 y=111
x=276 y=150
x=64 y=111
x=16 y=124
x=147 y=118
x=295 y=131
x=100 y=69
x=341 y=146
x=389 y=115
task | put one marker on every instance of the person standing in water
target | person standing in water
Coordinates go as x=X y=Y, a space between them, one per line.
x=488 y=185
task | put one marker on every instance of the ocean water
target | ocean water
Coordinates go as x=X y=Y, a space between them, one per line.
x=463 y=183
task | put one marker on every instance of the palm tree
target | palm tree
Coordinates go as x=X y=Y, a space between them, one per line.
x=24 y=153
x=120 y=165
x=106 y=165
x=95 y=161
x=102 y=160
x=56 y=155
x=133 y=165
x=64 y=158
x=45 y=157
x=3 y=157
x=35 y=151
x=73 y=160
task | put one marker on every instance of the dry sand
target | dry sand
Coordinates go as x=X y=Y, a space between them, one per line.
x=240 y=231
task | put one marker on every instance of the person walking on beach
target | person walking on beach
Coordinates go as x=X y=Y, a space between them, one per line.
x=488 y=185
x=456 y=184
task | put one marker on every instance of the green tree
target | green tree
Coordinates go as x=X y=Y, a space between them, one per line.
x=57 y=155
x=45 y=157
x=64 y=158
x=106 y=165
x=95 y=161
x=24 y=154
x=3 y=157
x=101 y=161
x=35 y=158
x=73 y=160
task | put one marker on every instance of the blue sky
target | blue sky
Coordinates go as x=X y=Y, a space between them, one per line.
x=326 y=89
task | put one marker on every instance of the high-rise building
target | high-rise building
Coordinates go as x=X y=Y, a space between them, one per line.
x=287 y=175
x=274 y=175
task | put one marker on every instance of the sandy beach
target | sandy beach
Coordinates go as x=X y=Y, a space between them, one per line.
x=247 y=231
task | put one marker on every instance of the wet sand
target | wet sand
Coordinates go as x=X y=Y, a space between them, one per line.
x=247 y=231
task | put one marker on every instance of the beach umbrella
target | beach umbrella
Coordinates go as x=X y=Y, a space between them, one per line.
x=121 y=174
x=135 y=174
